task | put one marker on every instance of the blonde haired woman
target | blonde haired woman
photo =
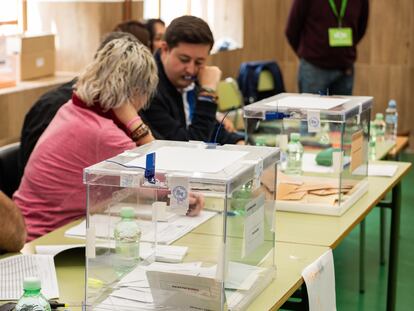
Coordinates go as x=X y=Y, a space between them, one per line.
x=99 y=122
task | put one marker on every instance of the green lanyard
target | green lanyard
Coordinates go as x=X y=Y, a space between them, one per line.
x=335 y=11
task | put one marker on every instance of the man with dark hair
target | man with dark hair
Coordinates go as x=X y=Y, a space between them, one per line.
x=184 y=107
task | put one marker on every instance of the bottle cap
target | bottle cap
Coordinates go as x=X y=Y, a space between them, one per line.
x=127 y=212
x=294 y=137
x=392 y=103
x=31 y=283
x=379 y=116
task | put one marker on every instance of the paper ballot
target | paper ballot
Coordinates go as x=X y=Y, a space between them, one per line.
x=320 y=282
x=182 y=159
x=308 y=102
x=14 y=269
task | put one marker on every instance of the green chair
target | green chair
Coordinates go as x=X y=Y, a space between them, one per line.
x=231 y=101
x=266 y=82
x=229 y=95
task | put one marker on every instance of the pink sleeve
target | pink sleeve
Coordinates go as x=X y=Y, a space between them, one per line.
x=113 y=142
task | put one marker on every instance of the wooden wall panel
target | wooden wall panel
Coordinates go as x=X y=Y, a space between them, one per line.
x=385 y=64
x=79 y=26
x=16 y=101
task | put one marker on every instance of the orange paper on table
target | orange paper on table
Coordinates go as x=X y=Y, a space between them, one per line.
x=356 y=150
x=284 y=189
x=327 y=199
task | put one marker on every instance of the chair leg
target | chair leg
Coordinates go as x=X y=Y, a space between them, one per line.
x=383 y=223
x=362 y=257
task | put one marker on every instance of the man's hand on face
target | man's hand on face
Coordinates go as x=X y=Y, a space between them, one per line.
x=209 y=77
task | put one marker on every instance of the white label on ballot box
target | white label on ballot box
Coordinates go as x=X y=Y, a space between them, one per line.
x=185 y=291
x=179 y=200
x=314 y=121
x=254 y=225
x=90 y=242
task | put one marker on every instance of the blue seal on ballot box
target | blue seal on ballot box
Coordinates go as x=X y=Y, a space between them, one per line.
x=179 y=193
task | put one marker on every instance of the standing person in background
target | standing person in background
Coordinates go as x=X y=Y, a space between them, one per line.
x=184 y=106
x=156 y=29
x=324 y=34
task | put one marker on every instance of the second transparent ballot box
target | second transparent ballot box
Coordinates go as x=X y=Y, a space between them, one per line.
x=323 y=142
x=180 y=226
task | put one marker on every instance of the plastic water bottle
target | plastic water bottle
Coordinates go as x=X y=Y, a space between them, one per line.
x=260 y=141
x=391 y=120
x=294 y=155
x=127 y=237
x=379 y=127
x=372 y=151
x=32 y=298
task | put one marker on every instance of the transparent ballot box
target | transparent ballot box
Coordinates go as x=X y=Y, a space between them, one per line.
x=323 y=143
x=180 y=226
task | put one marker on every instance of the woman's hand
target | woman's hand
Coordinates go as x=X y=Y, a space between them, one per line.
x=196 y=204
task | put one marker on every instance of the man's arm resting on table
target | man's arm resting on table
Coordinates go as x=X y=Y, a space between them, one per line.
x=12 y=226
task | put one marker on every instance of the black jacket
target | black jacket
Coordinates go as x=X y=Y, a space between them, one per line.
x=166 y=117
x=39 y=117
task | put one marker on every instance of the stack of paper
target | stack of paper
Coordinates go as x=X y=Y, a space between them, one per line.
x=164 y=253
x=133 y=291
x=181 y=285
x=167 y=232
x=381 y=170
x=14 y=269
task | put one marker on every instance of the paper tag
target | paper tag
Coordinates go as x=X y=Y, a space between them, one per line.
x=254 y=225
x=337 y=161
x=40 y=62
x=90 y=243
x=314 y=121
x=129 y=181
x=283 y=141
x=221 y=270
x=319 y=277
x=273 y=229
x=159 y=211
x=179 y=200
x=340 y=37
x=258 y=171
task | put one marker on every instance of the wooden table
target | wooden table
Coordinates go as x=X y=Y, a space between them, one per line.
x=291 y=259
x=322 y=230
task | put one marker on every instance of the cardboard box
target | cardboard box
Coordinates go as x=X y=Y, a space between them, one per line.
x=7 y=66
x=36 y=55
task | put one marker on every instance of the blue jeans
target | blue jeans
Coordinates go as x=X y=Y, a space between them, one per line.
x=315 y=80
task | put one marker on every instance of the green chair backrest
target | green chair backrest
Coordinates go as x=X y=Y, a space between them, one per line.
x=229 y=95
x=266 y=82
